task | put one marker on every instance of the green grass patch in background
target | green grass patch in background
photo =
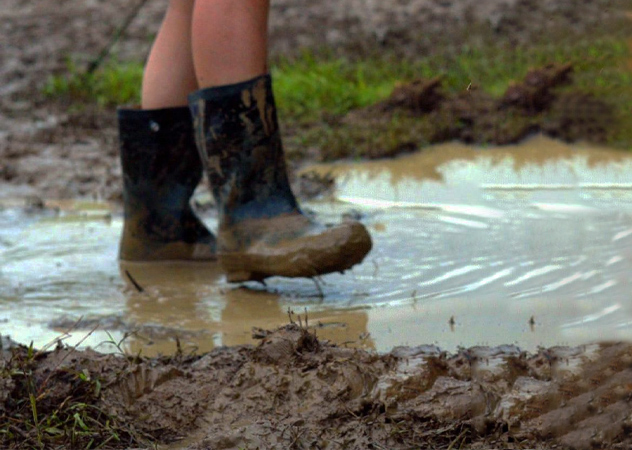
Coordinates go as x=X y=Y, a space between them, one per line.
x=308 y=86
x=114 y=84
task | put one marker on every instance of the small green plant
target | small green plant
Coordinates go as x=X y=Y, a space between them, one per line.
x=310 y=85
x=59 y=408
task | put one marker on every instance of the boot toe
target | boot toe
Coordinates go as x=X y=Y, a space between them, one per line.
x=320 y=250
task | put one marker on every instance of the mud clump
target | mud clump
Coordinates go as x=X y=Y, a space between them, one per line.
x=535 y=93
x=576 y=116
x=286 y=344
x=474 y=117
x=417 y=97
x=50 y=399
x=296 y=391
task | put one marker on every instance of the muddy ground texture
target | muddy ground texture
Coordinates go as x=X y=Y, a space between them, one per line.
x=293 y=390
x=51 y=149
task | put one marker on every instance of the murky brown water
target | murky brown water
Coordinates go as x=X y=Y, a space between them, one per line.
x=530 y=244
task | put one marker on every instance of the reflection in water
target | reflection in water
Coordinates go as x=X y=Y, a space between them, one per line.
x=529 y=244
x=181 y=296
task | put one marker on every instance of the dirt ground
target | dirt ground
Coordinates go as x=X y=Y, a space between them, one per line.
x=296 y=391
x=49 y=149
x=292 y=390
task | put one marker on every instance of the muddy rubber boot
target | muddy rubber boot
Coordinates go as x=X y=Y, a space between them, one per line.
x=262 y=231
x=161 y=169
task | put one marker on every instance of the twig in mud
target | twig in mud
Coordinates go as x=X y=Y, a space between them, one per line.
x=321 y=294
x=138 y=287
x=340 y=444
x=458 y=438
x=355 y=416
x=290 y=313
x=72 y=350
x=297 y=436
x=94 y=65
x=377 y=268
x=179 y=353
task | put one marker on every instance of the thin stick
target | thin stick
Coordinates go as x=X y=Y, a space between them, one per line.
x=138 y=287
x=60 y=338
x=458 y=438
x=321 y=294
x=96 y=63
x=289 y=314
x=72 y=350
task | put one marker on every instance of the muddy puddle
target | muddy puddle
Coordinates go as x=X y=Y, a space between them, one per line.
x=529 y=244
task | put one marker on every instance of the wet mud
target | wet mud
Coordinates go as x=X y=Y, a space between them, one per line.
x=294 y=390
x=547 y=227
x=319 y=383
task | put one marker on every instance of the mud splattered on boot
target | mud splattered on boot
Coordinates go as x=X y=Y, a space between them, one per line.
x=161 y=169
x=262 y=231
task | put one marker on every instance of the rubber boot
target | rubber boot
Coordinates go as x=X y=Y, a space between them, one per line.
x=262 y=231
x=161 y=169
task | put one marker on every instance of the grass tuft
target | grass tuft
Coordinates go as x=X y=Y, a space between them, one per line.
x=56 y=408
x=116 y=83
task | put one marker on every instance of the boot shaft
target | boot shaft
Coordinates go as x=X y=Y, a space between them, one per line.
x=237 y=133
x=161 y=167
x=262 y=231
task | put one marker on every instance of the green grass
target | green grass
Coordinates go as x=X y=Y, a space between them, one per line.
x=307 y=86
x=115 y=84
x=310 y=85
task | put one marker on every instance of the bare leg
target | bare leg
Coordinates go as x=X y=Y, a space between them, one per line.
x=169 y=74
x=262 y=231
x=230 y=40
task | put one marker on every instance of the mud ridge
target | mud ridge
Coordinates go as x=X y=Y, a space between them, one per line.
x=544 y=101
x=296 y=391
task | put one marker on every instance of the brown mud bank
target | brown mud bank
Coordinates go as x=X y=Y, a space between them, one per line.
x=421 y=113
x=296 y=391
